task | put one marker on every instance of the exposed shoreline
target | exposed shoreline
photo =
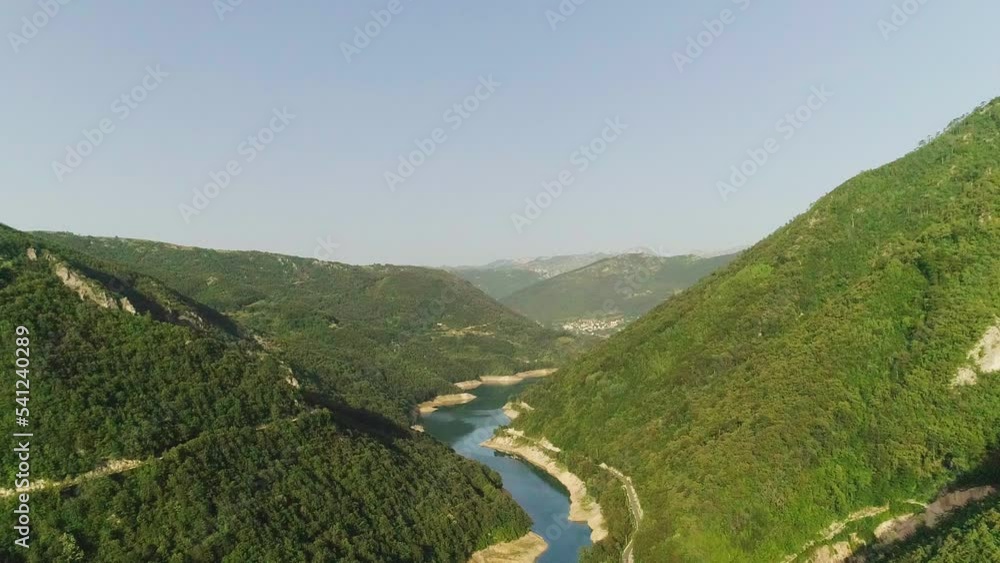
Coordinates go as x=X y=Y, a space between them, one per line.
x=526 y=549
x=445 y=401
x=530 y=547
x=455 y=399
x=505 y=379
x=514 y=409
x=582 y=508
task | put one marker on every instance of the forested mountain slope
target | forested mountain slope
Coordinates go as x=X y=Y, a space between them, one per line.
x=612 y=292
x=844 y=362
x=498 y=283
x=162 y=433
x=502 y=278
x=382 y=337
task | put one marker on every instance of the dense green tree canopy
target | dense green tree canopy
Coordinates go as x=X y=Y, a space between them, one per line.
x=382 y=337
x=812 y=376
x=204 y=448
x=619 y=288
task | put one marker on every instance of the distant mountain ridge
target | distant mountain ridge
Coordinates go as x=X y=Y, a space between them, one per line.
x=500 y=278
x=549 y=266
x=602 y=297
x=384 y=337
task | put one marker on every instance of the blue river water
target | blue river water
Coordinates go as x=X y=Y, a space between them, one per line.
x=466 y=426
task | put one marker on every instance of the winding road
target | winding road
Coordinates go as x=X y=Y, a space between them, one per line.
x=111 y=467
x=634 y=507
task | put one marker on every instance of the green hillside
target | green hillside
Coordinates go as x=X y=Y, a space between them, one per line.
x=382 y=337
x=163 y=433
x=501 y=282
x=502 y=278
x=813 y=376
x=602 y=297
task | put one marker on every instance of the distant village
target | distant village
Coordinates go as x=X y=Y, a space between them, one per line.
x=594 y=327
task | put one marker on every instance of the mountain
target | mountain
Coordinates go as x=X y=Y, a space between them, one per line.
x=161 y=430
x=500 y=282
x=501 y=278
x=382 y=337
x=834 y=372
x=603 y=297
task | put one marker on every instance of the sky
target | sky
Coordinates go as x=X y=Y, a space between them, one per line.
x=447 y=133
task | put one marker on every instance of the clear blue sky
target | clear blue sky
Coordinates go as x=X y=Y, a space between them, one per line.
x=323 y=176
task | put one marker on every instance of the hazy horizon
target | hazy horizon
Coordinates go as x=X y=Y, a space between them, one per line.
x=611 y=252
x=332 y=108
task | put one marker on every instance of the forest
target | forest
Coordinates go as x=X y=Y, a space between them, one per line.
x=382 y=337
x=625 y=287
x=814 y=375
x=165 y=432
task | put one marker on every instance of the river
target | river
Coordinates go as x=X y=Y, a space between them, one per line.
x=466 y=426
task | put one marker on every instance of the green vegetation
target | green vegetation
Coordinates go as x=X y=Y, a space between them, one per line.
x=381 y=337
x=812 y=376
x=298 y=491
x=504 y=277
x=231 y=461
x=499 y=283
x=110 y=386
x=971 y=535
x=615 y=290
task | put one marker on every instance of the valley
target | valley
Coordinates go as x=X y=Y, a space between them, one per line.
x=602 y=298
x=591 y=294
x=383 y=338
x=502 y=278
x=323 y=353
x=150 y=400
x=469 y=430
x=500 y=282
x=759 y=418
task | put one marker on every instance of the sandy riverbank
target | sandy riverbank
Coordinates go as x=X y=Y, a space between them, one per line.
x=463 y=398
x=445 y=401
x=516 y=378
x=514 y=409
x=504 y=379
x=524 y=550
x=582 y=507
